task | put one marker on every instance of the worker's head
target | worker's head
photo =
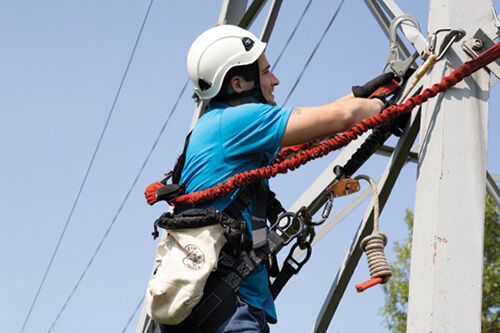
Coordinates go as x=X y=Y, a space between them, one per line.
x=227 y=63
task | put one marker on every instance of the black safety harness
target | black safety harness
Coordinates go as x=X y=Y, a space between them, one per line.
x=238 y=258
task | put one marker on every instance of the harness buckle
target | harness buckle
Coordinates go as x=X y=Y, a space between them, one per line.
x=290 y=225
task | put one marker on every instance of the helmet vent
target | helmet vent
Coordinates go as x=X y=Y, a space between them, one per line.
x=204 y=84
x=247 y=43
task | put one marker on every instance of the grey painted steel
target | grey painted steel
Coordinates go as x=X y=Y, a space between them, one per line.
x=271 y=20
x=337 y=218
x=251 y=14
x=447 y=248
x=314 y=196
x=415 y=37
x=486 y=34
x=492 y=188
x=199 y=110
x=495 y=177
x=387 y=151
x=387 y=181
x=232 y=11
x=384 y=23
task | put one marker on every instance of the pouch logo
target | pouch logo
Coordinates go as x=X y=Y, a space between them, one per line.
x=195 y=259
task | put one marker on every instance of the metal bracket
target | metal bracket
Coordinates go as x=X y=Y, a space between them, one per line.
x=478 y=44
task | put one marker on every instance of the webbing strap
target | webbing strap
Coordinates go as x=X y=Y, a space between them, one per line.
x=181 y=160
x=240 y=269
x=286 y=272
x=259 y=225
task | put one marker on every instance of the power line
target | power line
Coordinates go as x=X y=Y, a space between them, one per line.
x=314 y=51
x=292 y=34
x=88 y=170
x=274 y=66
x=121 y=206
x=133 y=314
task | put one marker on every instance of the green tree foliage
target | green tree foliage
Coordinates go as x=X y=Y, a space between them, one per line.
x=396 y=290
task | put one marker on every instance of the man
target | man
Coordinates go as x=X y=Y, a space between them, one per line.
x=242 y=130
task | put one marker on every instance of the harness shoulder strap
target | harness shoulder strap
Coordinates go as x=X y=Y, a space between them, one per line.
x=181 y=160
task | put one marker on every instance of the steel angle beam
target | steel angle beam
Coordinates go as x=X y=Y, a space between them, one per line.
x=495 y=177
x=384 y=12
x=384 y=23
x=414 y=36
x=271 y=20
x=354 y=253
x=387 y=151
x=251 y=14
x=492 y=188
x=232 y=11
x=200 y=109
x=482 y=40
x=337 y=218
x=315 y=195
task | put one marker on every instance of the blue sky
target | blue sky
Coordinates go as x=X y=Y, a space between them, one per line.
x=61 y=66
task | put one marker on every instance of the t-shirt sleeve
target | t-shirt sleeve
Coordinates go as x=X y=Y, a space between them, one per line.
x=253 y=128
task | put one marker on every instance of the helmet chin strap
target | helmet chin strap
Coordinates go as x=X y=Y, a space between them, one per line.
x=248 y=96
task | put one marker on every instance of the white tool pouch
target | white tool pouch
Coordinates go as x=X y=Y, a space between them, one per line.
x=185 y=259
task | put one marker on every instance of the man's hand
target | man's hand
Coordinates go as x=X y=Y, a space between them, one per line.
x=370 y=87
x=152 y=191
x=383 y=98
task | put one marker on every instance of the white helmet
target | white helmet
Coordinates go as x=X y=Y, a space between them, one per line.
x=215 y=52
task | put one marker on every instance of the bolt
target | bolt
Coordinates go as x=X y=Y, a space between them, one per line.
x=477 y=44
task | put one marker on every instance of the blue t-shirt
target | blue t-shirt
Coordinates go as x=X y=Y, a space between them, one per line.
x=227 y=141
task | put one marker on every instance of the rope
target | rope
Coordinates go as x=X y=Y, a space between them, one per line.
x=374 y=244
x=288 y=152
x=339 y=141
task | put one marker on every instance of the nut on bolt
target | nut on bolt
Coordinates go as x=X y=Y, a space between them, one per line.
x=477 y=44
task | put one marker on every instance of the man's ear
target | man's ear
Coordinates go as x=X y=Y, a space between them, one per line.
x=236 y=84
x=239 y=84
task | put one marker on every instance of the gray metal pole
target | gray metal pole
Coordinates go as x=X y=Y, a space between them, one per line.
x=446 y=267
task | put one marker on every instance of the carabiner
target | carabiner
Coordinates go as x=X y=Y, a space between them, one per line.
x=399 y=67
x=453 y=35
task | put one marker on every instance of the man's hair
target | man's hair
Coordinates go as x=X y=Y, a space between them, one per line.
x=247 y=72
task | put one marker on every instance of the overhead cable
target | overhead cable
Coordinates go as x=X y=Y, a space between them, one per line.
x=292 y=34
x=314 y=51
x=120 y=208
x=133 y=314
x=87 y=172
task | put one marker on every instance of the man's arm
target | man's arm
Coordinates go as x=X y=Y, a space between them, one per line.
x=309 y=123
